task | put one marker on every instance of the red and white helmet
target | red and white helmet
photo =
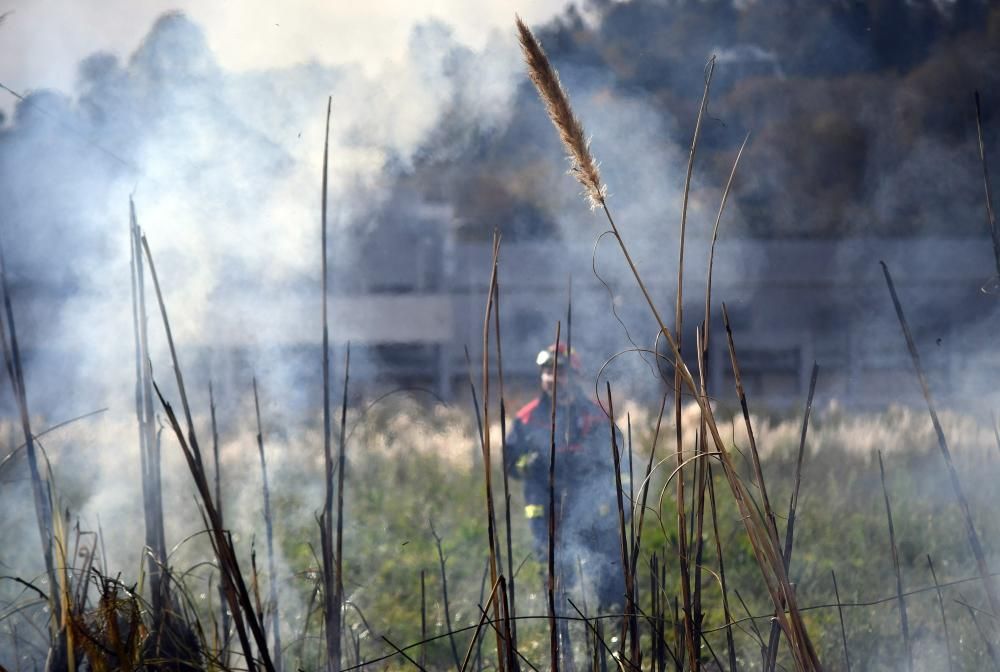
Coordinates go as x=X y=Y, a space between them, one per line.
x=545 y=357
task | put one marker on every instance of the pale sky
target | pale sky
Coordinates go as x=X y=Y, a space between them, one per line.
x=41 y=41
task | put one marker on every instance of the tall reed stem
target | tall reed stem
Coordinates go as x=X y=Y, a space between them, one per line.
x=149 y=451
x=944 y=618
x=491 y=524
x=39 y=487
x=682 y=535
x=338 y=596
x=903 y=621
x=551 y=584
x=772 y=648
x=506 y=472
x=956 y=484
x=331 y=611
x=990 y=218
x=269 y=531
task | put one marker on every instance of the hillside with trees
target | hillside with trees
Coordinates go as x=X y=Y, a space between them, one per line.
x=861 y=113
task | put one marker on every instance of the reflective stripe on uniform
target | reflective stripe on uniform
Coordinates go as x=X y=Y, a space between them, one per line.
x=534 y=510
x=525 y=461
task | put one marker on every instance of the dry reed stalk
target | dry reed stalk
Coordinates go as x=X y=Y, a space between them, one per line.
x=479 y=626
x=659 y=576
x=701 y=482
x=501 y=631
x=269 y=531
x=568 y=421
x=944 y=618
x=645 y=488
x=631 y=493
x=149 y=452
x=652 y=619
x=215 y=448
x=512 y=653
x=403 y=654
x=236 y=590
x=632 y=588
x=656 y=614
x=67 y=639
x=39 y=488
x=567 y=647
x=632 y=620
x=599 y=633
x=599 y=661
x=956 y=484
x=794 y=500
x=715 y=238
x=772 y=647
x=512 y=621
x=423 y=620
x=595 y=653
x=711 y=651
x=745 y=409
x=678 y=635
x=444 y=596
x=628 y=621
x=551 y=584
x=223 y=653
x=990 y=218
x=683 y=538
x=475 y=397
x=676 y=655
x=726 y=613
x=255 y=579
x=763 y=541
x=309 y=612
x=580 y=577
x=338 y=598
x=990 y=650
x=330 y=619
x=753 y=626
x=491 y=524
x=903 y=621
x=482 y=591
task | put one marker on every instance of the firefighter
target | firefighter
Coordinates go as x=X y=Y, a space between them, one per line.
x=587 y=528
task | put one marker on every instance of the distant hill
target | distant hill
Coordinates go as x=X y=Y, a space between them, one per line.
x=861 y=115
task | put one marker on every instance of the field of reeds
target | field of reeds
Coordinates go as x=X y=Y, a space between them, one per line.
x=819 y=540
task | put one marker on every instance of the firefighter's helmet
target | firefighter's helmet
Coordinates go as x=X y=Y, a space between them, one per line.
x=546 y=357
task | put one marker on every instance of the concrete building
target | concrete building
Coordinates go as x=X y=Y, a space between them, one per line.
x=791 y=302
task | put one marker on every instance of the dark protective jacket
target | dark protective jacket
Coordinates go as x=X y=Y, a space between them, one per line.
x=585 y=495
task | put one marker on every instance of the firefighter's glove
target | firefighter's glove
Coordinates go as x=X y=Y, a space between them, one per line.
x=523 y=464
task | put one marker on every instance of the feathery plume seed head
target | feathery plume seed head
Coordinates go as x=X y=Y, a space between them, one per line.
x=583 y=166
